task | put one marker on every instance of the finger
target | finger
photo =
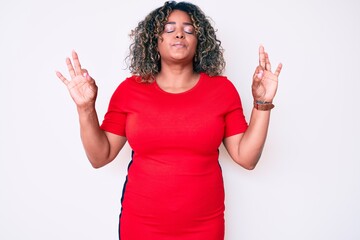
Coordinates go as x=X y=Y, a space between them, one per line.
x=259 y=72
x=70 y=68
x=262 y=61
x=86 y=75
x=278 y=70
x=77 y=64
x=62 y=78
x=267 y=62
x=84 y=72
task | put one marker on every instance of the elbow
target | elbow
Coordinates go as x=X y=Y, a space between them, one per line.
x=249 y=163
x=98 y=164
x=98 y=161
x=249 y=166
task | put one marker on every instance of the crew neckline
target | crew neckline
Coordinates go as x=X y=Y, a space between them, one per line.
x=180 y=93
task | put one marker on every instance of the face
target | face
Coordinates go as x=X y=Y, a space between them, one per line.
x=178 y=41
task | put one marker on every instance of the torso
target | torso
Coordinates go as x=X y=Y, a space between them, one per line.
x=174 y=182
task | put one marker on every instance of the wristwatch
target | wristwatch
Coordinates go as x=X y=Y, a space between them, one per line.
x=263 y=106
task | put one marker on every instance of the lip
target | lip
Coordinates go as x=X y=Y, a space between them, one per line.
x=178 y=44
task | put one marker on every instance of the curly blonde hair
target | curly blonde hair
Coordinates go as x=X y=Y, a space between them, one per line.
x=144 y=59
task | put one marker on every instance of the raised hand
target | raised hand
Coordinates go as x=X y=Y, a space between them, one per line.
x=82 y=87
x=265 y=82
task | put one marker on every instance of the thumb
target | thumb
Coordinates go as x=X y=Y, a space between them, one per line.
x=86 y=74
x=260 y=74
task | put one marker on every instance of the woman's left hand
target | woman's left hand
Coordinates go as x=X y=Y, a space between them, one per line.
x=265 y=82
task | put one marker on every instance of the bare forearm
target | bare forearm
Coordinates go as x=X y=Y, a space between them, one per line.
x=94 y=140
x=253 y=140
x=246 y=148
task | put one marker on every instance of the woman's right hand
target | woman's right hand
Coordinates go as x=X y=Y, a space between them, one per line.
x=82 y=87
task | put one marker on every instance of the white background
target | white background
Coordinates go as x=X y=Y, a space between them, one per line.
x=307 y=184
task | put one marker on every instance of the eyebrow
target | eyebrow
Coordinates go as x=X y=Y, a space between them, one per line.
x=184 y=23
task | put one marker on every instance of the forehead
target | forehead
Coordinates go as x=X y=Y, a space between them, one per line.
x=179 y=16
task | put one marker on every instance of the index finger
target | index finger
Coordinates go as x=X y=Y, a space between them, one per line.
x=262 y=57
x=77 y=64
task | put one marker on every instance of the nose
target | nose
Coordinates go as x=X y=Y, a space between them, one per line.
x=180 y=35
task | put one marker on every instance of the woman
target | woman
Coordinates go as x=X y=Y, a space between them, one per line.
x=175 y=110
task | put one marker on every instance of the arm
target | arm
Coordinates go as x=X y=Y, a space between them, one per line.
x=246 y=148
x=100 y=147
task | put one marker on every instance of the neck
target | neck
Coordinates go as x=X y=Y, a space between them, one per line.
x=177 y=79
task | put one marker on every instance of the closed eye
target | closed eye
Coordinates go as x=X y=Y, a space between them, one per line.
x=171 y=27
x=189 y=29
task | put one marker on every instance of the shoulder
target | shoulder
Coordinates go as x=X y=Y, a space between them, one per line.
x=218 y=81
x=126 y=87
x=220 y=87
x=132 y=82
x=129 y=81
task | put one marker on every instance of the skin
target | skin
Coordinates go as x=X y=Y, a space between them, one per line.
x=177 y=47
x=246 y=148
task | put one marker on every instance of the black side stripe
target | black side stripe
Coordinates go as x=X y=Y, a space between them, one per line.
x=123 y=191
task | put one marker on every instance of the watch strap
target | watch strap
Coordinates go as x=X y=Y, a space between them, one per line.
x=263 y=106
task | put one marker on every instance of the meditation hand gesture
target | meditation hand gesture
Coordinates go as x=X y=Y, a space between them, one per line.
x=265 y=82
x=82 y=87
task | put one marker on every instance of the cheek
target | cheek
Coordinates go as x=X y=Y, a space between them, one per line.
x=194 y=45
x=194 y=41
x=160 y=44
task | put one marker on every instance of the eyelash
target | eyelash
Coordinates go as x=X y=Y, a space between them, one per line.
x=188 y=32
x=184 y=31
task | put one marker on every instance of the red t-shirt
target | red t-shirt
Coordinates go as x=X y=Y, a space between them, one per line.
x=174 y=185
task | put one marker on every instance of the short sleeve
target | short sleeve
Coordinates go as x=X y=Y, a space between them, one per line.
x=235 y=121
x=115 y=117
